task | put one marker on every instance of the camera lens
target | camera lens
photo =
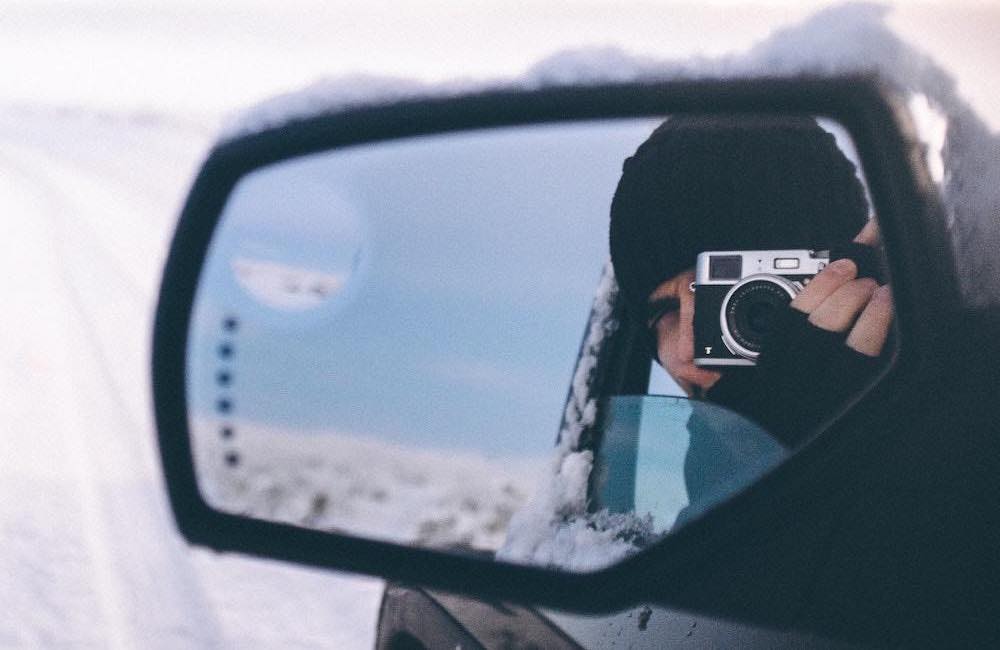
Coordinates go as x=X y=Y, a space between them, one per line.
x=748 y=312
x=758 y=318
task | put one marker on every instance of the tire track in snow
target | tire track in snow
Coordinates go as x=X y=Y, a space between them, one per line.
x=109 y=596
x=144 y=184
x=50 y=594
x=128 y=530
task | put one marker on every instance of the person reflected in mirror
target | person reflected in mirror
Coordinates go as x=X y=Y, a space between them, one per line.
x=752 y=183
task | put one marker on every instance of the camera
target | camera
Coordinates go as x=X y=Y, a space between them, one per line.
x=738 y=293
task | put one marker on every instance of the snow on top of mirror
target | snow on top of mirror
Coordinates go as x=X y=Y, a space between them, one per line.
x=847 y=39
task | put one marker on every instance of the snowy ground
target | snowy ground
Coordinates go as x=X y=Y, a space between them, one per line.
x=91 y=556
x=441 y=498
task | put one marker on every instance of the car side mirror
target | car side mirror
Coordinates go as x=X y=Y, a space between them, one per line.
x=369 y=322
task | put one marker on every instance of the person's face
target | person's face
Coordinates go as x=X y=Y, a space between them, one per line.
x=674 y=335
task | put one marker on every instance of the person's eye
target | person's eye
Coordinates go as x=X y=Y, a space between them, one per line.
x=657 y=309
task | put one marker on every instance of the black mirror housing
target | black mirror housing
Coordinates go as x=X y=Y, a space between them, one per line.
x=750 y=558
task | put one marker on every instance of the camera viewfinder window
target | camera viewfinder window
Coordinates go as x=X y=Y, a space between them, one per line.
x=725 y=267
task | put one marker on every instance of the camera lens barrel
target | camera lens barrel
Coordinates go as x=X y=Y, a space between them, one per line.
x=748 y=311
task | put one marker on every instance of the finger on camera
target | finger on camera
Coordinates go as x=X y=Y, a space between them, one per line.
x=869 y=235
x=839 y=311
x=871 y=330
x=826 y=282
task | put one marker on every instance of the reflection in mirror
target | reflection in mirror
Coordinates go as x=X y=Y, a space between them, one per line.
x=754 y=265
x=383 y=336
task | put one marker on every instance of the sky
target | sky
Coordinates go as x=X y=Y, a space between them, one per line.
x=209 y=58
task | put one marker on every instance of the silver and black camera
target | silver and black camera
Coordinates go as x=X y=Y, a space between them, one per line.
x=738 y=293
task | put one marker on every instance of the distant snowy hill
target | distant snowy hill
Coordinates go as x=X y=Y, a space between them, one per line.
x=366 y=487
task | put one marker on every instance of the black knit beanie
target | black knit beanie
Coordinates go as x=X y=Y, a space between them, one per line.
x=702 y=183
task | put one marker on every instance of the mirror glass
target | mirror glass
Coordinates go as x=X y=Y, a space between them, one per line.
x=386 y=339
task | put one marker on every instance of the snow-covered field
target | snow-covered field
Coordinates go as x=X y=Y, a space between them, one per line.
x=91 y=557
x=371 y=488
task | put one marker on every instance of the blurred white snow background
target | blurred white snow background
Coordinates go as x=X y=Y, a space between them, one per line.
x=106 y=109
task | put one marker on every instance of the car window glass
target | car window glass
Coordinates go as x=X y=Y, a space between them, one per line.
x=669 y=459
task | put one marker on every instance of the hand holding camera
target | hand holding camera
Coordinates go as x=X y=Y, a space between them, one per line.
x=816 y=349
x=838 y=301
x=739 y=294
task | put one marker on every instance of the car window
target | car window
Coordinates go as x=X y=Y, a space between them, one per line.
x=669 y=459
